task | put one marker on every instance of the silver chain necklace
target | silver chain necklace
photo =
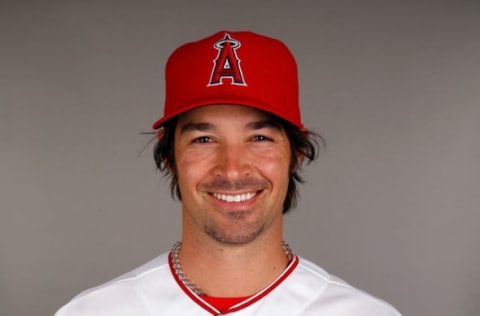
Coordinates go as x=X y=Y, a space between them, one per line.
x=183 y=277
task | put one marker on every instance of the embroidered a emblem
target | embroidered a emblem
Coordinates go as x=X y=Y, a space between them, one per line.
x=227 y=63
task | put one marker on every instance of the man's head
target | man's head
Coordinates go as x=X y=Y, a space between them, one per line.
x=235 y=68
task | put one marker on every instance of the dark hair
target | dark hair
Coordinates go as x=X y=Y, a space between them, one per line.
x=303 y=143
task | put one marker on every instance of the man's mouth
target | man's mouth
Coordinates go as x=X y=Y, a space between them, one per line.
x=235 y=198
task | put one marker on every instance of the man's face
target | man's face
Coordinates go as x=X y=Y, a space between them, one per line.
x=232 y=165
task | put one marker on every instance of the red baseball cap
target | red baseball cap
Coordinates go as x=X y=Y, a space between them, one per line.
x=237 y=68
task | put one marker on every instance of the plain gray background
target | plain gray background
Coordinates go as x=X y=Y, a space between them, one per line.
x=392 y=205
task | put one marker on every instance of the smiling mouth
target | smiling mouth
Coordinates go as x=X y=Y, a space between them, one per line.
x=234 y=198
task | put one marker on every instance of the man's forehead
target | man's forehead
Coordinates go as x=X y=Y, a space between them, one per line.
x=208 y=117
x=220 y=111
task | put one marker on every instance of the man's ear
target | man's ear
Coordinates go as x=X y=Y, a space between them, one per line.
x=300 y=158
x=297 y=166
x=160 y=133
x=165 y=161
x=299 y=154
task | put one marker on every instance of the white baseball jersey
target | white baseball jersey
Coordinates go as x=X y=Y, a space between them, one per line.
x=154 y=289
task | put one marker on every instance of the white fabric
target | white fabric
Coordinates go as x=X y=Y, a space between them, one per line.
x=152 y=290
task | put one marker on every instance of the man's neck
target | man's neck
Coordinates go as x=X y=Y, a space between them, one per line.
x=232 y=270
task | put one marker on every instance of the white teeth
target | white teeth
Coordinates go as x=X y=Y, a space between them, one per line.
x=234 y=198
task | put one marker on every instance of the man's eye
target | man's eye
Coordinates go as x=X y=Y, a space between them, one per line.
x=261 y=138
x=202 y=139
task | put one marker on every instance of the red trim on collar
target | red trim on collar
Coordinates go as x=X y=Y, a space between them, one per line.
x=242 y=304
x=223 y=304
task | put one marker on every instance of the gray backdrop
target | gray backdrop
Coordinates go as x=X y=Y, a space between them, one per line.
x=392 y=205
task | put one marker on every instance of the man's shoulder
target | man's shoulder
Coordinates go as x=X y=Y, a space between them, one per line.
x=333 y=295
x=158 y=264
x=121 y=289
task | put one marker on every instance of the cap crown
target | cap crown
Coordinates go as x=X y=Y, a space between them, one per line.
x=238 y=68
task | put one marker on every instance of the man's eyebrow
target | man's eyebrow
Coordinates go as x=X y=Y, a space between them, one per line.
x=200 y=126
x=264 y=123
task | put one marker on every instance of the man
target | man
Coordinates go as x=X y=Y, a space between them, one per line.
x=232 y=141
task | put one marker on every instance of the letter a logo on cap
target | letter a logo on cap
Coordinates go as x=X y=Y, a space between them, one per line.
x=227 y=64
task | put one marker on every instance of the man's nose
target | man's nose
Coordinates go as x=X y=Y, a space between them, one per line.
x=233 y=162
